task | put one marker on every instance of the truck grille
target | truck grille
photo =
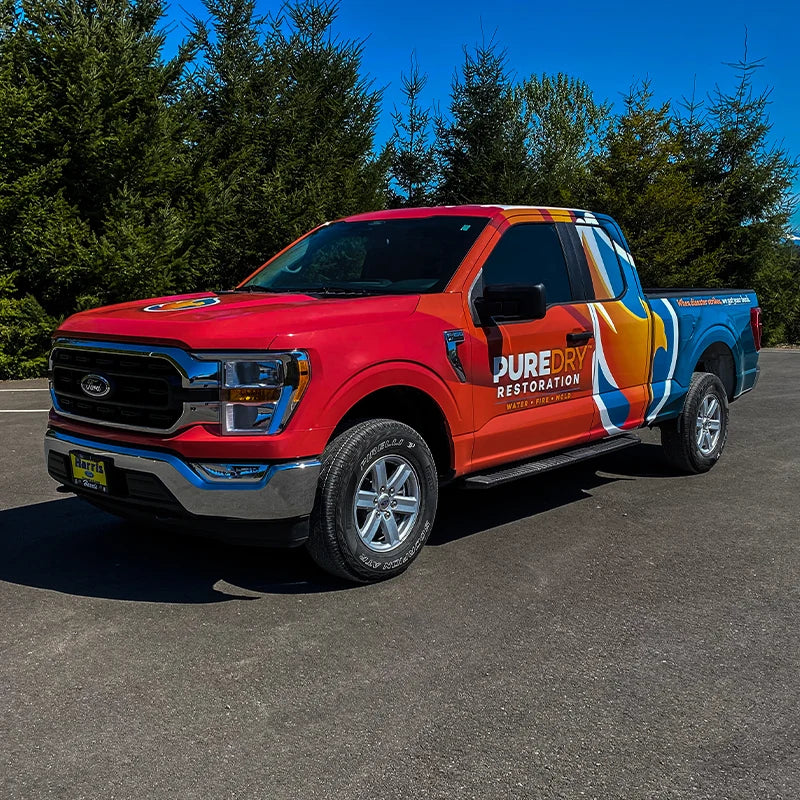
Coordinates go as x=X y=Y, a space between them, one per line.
x=145 y=390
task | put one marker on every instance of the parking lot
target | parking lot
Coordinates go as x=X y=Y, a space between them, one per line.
x=609 y=631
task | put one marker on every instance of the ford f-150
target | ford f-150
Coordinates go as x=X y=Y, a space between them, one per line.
x=326 y=398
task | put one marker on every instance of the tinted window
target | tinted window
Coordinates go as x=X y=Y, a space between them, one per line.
x=530 y=254
x=384 y=256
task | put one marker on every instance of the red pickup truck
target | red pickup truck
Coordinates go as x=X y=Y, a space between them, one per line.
x=325 y=399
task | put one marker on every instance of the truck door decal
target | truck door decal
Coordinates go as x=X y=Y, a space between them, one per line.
x=665 y=354
x=604 y=270
x=621 y=326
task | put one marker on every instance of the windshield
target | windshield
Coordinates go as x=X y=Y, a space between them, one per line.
x=392 y=256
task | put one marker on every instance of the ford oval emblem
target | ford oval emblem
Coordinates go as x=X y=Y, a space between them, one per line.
x=95 y=385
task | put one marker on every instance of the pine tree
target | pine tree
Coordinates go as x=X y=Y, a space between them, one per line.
x=747 y=180
x=327 y=113
x=636 y=179
x=91 y=163
x=231 y=97
x=285 y=134
x=778 y=285
x=100 y=155
x=411 y=156
x=25 y=327
x=482 y=151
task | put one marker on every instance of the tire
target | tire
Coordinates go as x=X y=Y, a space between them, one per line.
x=694 y=441
x=365 y=530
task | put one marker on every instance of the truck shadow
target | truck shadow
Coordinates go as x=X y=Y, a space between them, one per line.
x=67 y=546
x=466 y=512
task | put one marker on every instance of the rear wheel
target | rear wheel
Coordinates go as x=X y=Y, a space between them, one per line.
x=694 y=441
x=376 y=501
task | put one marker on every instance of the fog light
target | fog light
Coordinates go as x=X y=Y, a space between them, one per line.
x=232 y=472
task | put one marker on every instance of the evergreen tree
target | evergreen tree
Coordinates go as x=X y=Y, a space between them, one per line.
x=285 y=134
x=565 y=125
x=91 y=165
x=747 y=181
x=411 y=156
x=778 y=285
x=25 y=330
x=327 y=112
x=91 y=192
x=482 y=150
x=231 y=97
x=636 y=179
x=25 y=327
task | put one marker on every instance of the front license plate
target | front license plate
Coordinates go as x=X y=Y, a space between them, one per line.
x=89 y=471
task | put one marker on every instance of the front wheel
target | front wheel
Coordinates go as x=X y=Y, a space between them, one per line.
x=693 y=442
x=376 y=501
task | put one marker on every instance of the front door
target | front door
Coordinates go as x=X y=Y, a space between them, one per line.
x=532 y=380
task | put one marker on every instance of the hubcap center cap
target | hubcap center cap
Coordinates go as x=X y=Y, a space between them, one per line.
x=383 y=502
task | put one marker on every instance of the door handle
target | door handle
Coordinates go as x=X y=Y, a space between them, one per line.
x=579 y=338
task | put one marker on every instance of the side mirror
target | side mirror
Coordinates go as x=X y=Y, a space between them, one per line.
x=511 y=302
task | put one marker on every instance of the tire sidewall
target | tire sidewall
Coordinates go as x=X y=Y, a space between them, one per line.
x=707 y=385
x=400 y=440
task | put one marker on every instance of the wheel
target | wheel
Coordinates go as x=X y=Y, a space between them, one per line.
x=376 y=501
x=693 y=442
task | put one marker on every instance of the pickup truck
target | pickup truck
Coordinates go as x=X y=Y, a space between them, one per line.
x=326 y=398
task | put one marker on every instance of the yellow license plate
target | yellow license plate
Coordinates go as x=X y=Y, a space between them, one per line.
x=89 y=471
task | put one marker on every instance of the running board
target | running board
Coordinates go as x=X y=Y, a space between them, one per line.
x=524 y=469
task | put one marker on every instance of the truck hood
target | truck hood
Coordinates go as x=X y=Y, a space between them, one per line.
x=233 y=321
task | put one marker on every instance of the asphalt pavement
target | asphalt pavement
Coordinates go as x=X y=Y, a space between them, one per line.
x=613 y=630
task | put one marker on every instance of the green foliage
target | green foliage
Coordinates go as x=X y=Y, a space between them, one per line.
x=124 y=174
x=565 y=125
x=482 y=149
x=92 y=159
x=411 y=155
x=25 y=330
x=637 y=178
x=702 y=196
x=777 y=281
x=746 y=182
x=285 y=132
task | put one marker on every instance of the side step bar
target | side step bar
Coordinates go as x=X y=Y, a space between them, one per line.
x=524 y=469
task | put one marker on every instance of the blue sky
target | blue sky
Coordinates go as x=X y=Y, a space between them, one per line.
x=609 y=45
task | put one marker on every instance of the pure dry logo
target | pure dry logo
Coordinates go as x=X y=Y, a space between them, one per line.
x=540 y=371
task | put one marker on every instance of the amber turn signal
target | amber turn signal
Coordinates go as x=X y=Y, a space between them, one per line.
x=245 y=394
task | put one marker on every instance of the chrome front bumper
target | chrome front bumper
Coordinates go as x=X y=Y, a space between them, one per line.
x=268 y=492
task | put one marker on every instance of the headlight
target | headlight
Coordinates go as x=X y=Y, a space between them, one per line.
x=259 y=395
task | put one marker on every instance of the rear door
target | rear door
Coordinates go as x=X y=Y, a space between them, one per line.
x=532 y=380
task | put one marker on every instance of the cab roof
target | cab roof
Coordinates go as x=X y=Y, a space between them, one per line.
x=492 y=211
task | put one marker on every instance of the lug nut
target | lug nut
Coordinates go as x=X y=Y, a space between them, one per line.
x=386 y=514
x=394 y=503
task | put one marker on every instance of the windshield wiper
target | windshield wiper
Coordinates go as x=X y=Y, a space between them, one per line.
x=317 y=290
x=340 y=290
x=254 y=287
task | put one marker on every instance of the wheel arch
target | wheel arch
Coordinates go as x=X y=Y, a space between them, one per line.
x=720 y=353
x=407 y=393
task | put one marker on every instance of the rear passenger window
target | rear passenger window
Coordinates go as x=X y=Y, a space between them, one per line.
x=530 y=253
x=603 y=263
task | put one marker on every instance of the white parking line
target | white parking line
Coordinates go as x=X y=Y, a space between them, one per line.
x=24 y=390
x=23 y=410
